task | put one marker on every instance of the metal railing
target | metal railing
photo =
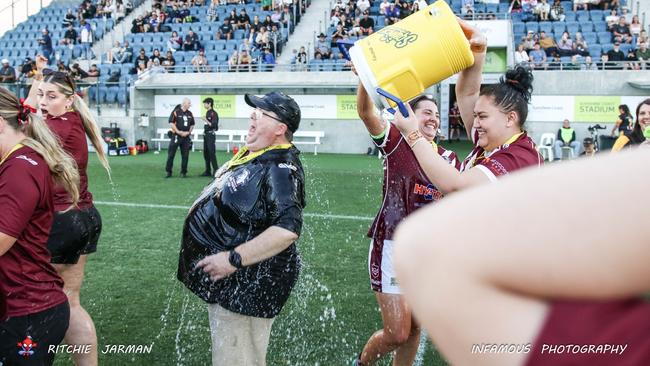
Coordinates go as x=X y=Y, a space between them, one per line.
x=594 y=66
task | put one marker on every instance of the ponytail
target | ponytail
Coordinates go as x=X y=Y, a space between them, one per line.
x=92 y=130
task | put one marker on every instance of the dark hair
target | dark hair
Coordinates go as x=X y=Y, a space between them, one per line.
x=209 y=101
x=636 y=136
x=513 y=92
x=416 y=101
x=626 y=110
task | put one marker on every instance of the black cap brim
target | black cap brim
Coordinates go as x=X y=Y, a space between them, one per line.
x=256 y=102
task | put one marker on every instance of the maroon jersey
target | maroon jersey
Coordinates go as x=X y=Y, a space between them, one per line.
x=70 y=130
x=28 y=283
x=511 y=156
x=406 y=186
x=594 y=333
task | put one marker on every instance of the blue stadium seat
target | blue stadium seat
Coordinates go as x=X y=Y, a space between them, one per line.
x=626 y=47
x=604 y=37
x=572 y=29
x=532 y=26
x=596 y=15
x=559 y=27
x=600 y=26
x=546 y=27
x=315 y=64
x=111 y=94
x=582 y=16
x=607 y=47
x=569 y=16
x=590 y=37
x=595 y=50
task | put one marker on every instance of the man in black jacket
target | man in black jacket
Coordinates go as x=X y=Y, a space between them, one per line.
x=209 y=137
x=238 y=252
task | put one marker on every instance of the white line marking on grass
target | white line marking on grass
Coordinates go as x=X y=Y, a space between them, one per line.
x=177 y=207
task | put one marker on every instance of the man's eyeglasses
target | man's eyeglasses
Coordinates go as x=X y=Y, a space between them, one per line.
x=258 y=113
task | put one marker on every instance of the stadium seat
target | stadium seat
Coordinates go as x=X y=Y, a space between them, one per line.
x=600 y=26
x=545 y=146
x=559 y=27
x=596 y=15
x=595 y=50
x=546 y=27
x=582 y=16
x=532 y=26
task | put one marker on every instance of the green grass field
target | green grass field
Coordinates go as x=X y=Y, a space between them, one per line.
x=131 y=289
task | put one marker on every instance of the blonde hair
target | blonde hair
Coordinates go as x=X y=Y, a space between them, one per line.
x=67 y=87
x=41 y=139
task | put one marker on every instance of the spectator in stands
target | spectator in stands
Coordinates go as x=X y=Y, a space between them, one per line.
x=154 y=24
x=69 y=19
x=643 y=54
x=69 y=37
x=529 y=41
x=185 y=13
x=581 y=3
x=113 y=52
x=347 y=22
x=625 y=12
x=268 y=58
x=94 y=72
x=543 y=9
x=383 y=7
x=566 y=46
x=323 y=48
x=60 y=66
x=261 y=38
x=515 y=6
x=287 y=19
x=643 y=38
x=77 y=73
x=528 y=10
x=366 y=24
x=635 y=26
x=128 y=52
x=392 y=14
x=120 y=10
x=521 y=56
x=621 y=31
x=86 y=38
x=45 y=43
x=301 y=57
x=169 y=61
x=275 y=39
x=267 y=23
x=633 y=61
x=537 y=57
x=256 y=25
x=233 y=61
x=174 y=15
x=612 y=18
x=142 y=59
x=28 y=69
x=157 y=68
x=404 y=8
x=243 y=20
x=363 y=6
x=232 y=19
x=547 y=43
x=245 y=61
x=566 y=137
x=276 y=16
x=175 y=42
x=616 y=55
x=604 y=63
x=636 y=135
x=225 y=31
x=588 y=64
x=7 y=73
x=338 y=34
x=557 y=11
x=88 y=10
x=624 y=122
x=212 y=14
x=191 y=42
x=155 y=56
x=200 y=62
x=580 y=45
x=140 y=69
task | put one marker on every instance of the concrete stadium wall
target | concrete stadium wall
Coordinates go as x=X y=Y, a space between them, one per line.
x=349 y=136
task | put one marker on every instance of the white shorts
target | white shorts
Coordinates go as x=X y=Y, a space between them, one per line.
x=380 y=268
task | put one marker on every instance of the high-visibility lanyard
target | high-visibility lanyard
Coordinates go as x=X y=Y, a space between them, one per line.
x=240 y=159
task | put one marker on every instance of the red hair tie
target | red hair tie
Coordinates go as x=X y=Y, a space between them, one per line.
x=24 y=111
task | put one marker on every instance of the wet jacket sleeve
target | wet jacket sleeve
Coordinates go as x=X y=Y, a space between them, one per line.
x=285 y=197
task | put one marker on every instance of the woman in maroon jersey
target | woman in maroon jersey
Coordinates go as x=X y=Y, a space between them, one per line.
x=494 y=118
x=406 y=188
x=34 y=311
x=515 y=283
x=75 y=231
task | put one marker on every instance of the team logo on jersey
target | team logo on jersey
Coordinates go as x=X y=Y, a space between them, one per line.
x=236 y=181
x=27 y=347
x=429 y=192
x=374 y=270
x=26 y=159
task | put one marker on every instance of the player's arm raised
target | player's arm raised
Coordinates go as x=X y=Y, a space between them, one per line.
x=469 y=80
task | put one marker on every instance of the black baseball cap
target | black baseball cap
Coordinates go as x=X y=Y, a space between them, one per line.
x=279 y=103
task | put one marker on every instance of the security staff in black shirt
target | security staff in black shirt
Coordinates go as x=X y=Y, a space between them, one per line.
x=238 y=249
x=209 y=148
x=181 y=123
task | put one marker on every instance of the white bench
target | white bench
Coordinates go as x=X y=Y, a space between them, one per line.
x=239 y=137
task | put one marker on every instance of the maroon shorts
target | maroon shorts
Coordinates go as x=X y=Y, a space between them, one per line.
x=594 y=333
